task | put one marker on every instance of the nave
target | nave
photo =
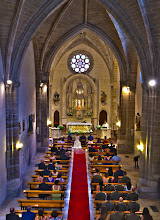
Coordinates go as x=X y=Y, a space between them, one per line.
x=78 y=165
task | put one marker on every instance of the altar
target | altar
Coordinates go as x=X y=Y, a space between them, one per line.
x=78 y=127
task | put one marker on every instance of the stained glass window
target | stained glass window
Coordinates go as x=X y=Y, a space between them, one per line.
x=80 y=63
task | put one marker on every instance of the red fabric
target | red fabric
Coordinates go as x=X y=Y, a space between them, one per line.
x=79 y=201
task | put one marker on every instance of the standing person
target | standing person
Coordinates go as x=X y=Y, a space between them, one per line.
x=90 y=137
x=12 y=215
x=28 y=215
x=83 y=140
x=146 y=215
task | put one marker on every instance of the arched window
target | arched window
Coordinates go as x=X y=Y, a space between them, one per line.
x=102 y=117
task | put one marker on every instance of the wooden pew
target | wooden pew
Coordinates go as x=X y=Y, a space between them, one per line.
x=103 y=161
x=34 y=177
x=23 y=203
x=34 y=185
x=109 y=192
x=59 y=171
x=35 y=193
x=101 y=153
x=104 y=166
x=104 y=184
x=46 y=212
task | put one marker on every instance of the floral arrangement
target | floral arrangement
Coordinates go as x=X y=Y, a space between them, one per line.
x=70 y=114
x=61 y=127
x=98 y=127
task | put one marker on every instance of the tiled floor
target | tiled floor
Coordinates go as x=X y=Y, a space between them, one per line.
x=127 y=163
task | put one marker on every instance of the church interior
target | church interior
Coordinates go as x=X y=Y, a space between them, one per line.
x=74 y=68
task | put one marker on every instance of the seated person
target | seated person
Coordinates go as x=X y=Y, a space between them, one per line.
x=99 y=160
x=108 y=158
x=134 y=205
x=41 y=165
x=110 y=171
x=83 y=140
x=91 y=158
x=50 y=179
x=90 y=137
x=52 y=157
x=58 y=166
x=56 y=187
x=109 y=186
x=105 y=141
x=62 y=141
x=54 y=149
x=115 y=178
x=99 y=141
x=54 y=216
x=45 y=187
x=12 y=215
x=122 y=205
x=62 y=149
x=97 y=178
x=119 y=171
x=54 y=172
x=40 y=215
x=46 y=172
x=63 y=156
x=58 y=152
x=59 y=178
x=51 y=166
x=90 y=143
x=116 y=215
x=105 y=178
x=92 y=149
x=69 y=138
x=115 y=195
x=101 y=196
x=28 y=215
x=120 y=187
x=40 y=178
x=128 y=186
x=116 y=158
x=134 y=216
x=133 y=195
x=109 y=206
x=125 y=178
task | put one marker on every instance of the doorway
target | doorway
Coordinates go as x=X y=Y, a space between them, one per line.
x=102 y=117
x=56 y=118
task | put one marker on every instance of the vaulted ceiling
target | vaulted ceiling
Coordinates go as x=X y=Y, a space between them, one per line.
x=130 y=28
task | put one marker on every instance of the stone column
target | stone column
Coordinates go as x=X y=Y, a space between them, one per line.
x=148 y=185
x=12 y=137
x=127 y=115
x=42 y=111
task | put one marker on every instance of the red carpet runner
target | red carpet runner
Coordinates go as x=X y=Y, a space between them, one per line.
x=79 y=201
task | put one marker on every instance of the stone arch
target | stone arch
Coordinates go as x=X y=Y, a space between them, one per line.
x=48 y=7
x=53 y=51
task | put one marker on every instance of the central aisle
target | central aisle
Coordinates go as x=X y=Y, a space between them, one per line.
x=79 y=201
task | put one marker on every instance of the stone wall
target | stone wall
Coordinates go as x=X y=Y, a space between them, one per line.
x=99 y=72
x=27 y=106
x=3 y=173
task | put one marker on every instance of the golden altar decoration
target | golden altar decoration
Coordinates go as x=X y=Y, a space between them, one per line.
x=78 y=127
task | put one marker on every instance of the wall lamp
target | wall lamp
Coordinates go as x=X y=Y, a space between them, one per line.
x=19 y=145
x=140 y=146
x=118 y=124
x=152 y=82
x=125 y=89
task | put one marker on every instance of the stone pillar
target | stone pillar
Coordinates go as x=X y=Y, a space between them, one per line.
x=42 y=111
x=127 y=115
x=12 y=137
x=148 y=185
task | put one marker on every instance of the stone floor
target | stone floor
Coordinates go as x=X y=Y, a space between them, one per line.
x=127 y=163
